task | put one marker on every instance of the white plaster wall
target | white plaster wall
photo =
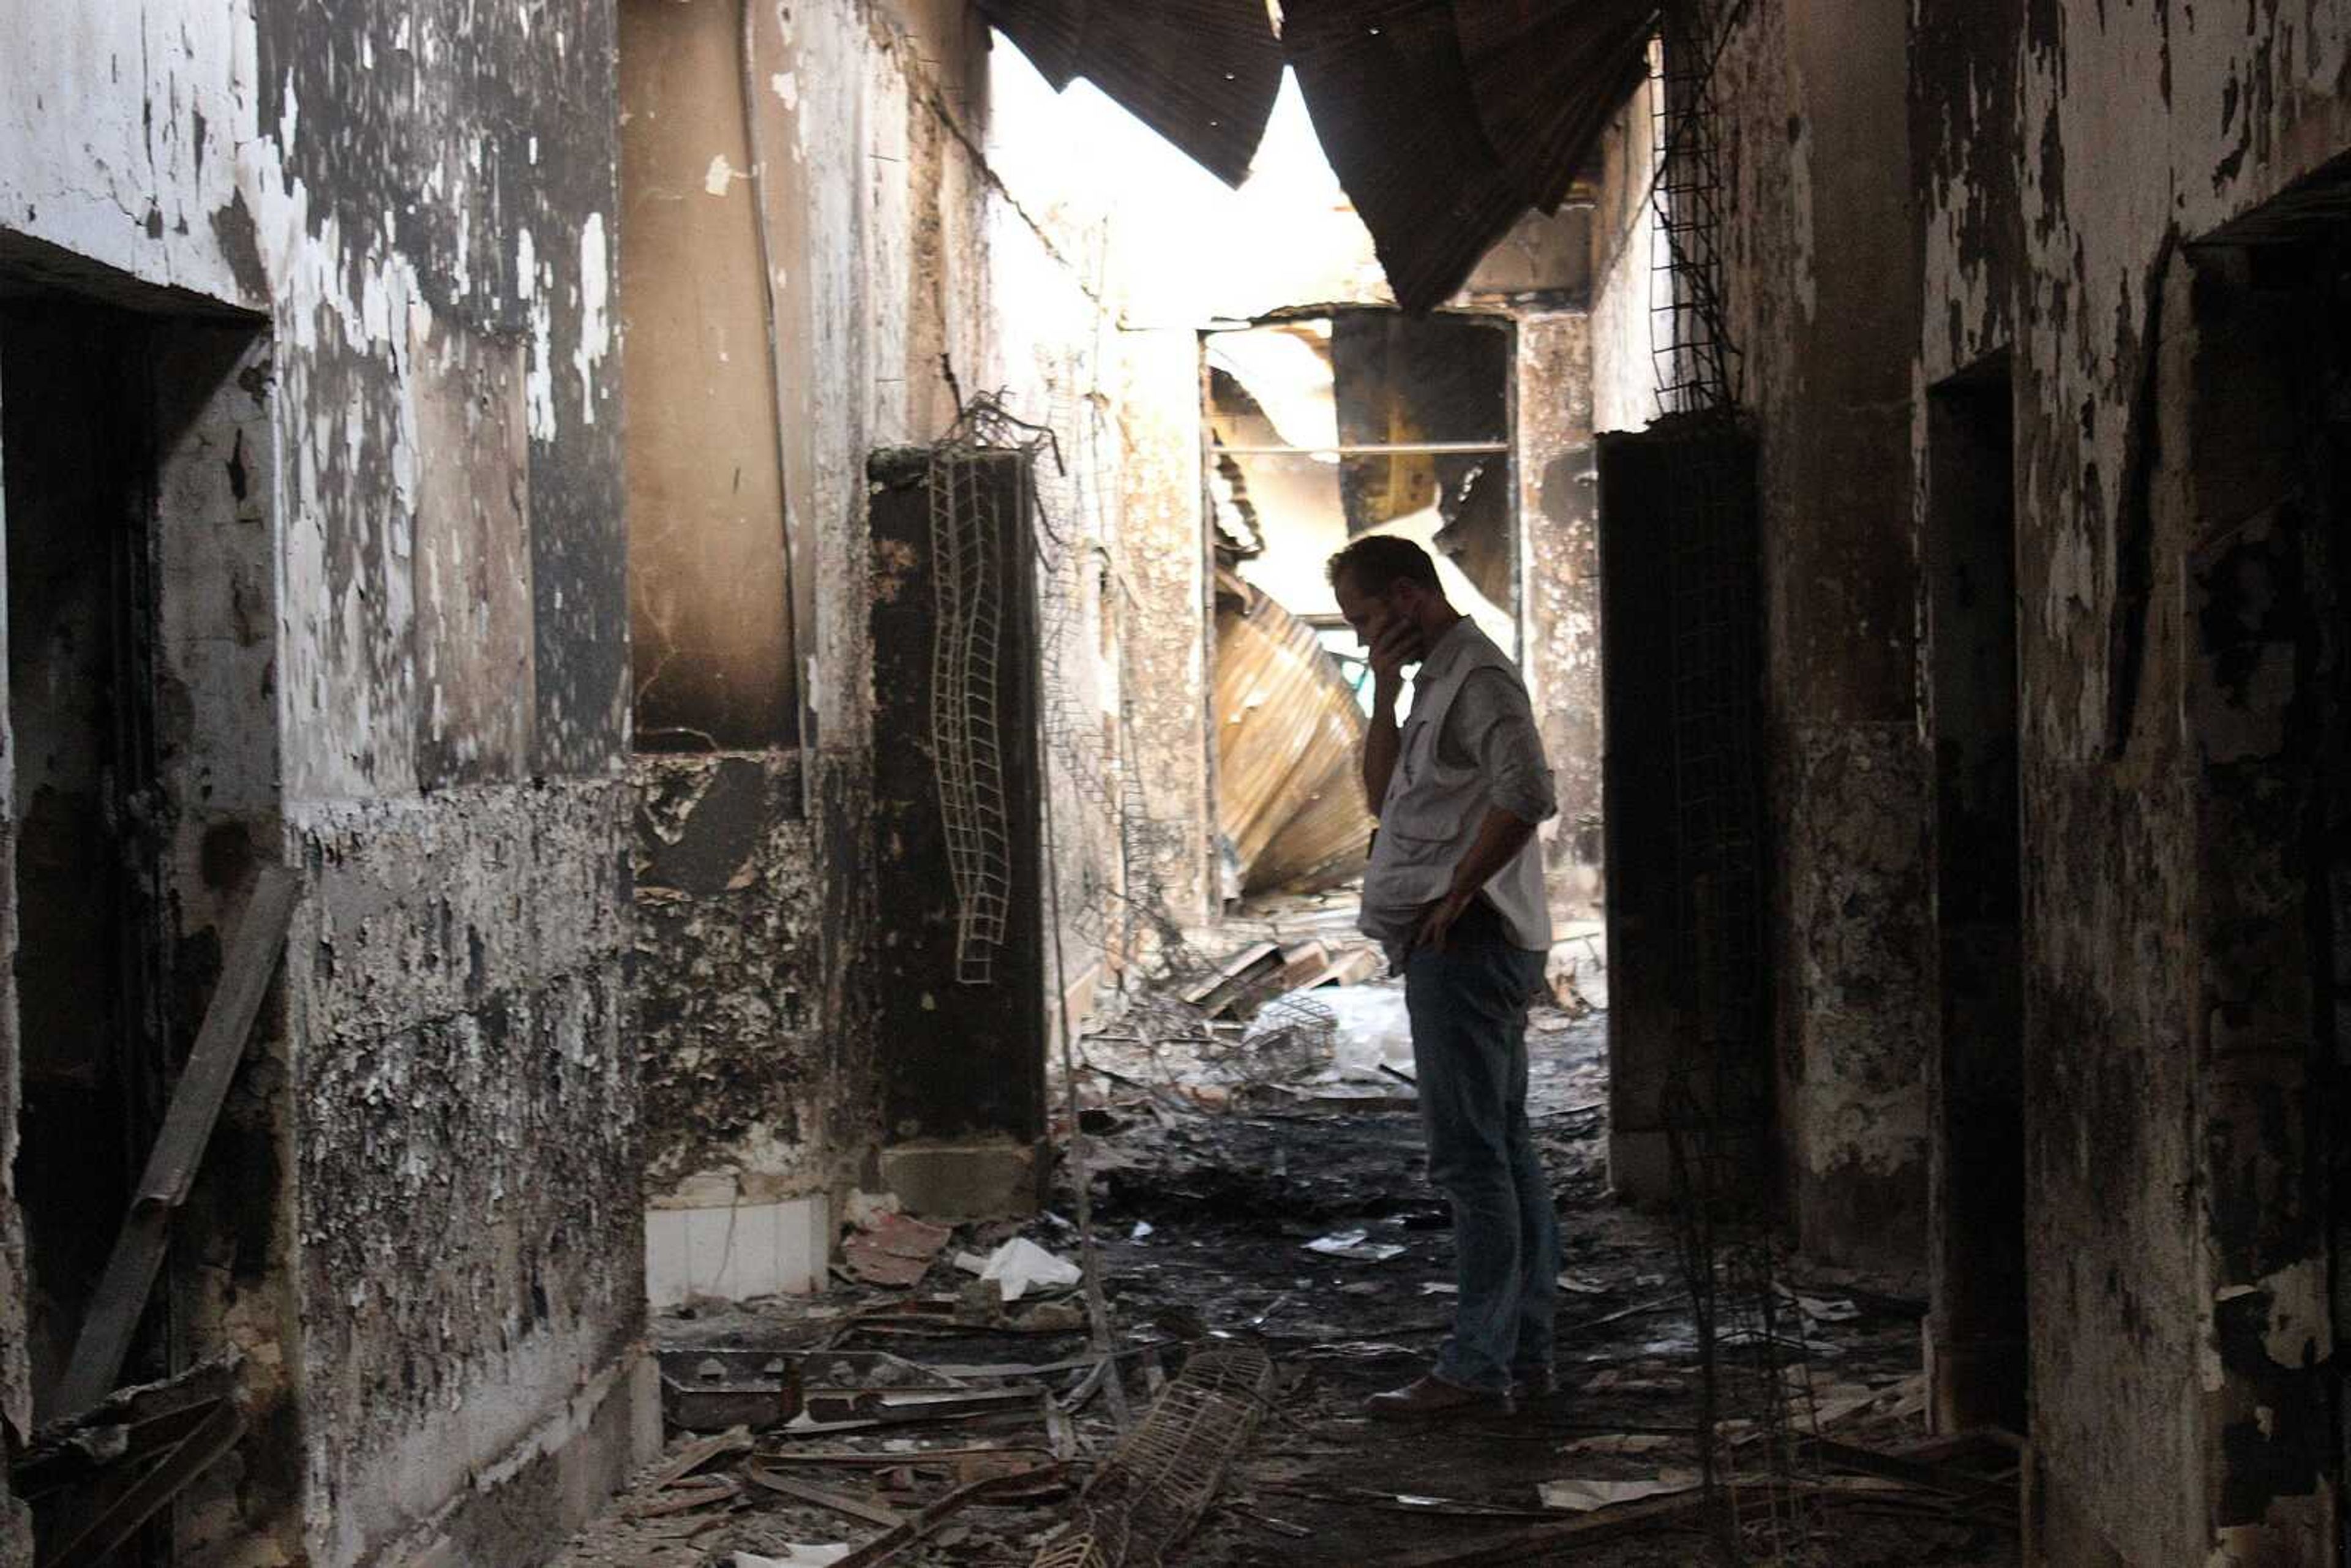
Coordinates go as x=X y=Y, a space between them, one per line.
x=121 y=136
x=1623 y=242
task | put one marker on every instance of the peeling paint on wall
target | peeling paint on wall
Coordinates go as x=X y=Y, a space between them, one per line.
x=415 y=205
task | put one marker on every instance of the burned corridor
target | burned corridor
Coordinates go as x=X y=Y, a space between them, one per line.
x=679 y=759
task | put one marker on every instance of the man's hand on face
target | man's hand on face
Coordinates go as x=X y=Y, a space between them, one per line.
x=1396 y=645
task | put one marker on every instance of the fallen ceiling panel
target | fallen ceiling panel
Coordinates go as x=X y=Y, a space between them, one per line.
x=1447 y=120
x=1388 y=91
x=1202 y=73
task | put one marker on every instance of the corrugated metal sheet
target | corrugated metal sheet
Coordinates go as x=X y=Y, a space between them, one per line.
x=1202 y=73
x=1289 y=799
x=1447 y=120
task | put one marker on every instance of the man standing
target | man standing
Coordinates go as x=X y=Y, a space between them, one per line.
x=1455 y=893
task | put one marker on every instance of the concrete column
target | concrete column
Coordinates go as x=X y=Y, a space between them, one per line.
x=1167 y=561
x=1823 y=313
x=1558 y=591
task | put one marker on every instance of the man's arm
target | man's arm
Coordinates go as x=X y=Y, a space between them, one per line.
x=1499 y=838
x=1382 y=744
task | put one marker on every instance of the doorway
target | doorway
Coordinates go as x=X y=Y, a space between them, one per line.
x=81 y=609
x=2267 y=711
x=1325 y=427
x=1978 y=1366
x=142 y=779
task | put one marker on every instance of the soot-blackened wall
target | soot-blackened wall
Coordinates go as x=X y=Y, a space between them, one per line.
x=391 y=655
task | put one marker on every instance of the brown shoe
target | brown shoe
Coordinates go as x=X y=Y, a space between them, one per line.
x=1432 y=1398
x=1534 y=1386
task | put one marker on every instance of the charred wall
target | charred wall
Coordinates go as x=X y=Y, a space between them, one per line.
x=1821 y=279
x=2175 y=1264
x=864 y=154
x=960 y=1002
x=909 y=263
x=15 y=1364
x=391 y=655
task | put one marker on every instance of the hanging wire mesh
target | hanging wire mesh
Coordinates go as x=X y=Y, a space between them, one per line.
x=1758 y=1427
x=968 y=672
x=1112 y=886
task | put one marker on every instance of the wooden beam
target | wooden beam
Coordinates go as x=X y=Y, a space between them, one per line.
x=122 y=1296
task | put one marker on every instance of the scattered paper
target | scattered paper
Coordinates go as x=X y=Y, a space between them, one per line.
x=794 y=1557
x=1581 y=1495
x=1020 y=1266
x=1143 y=1228
x=1439 y=1287
x=1580 y=1286
x=1356 y=1245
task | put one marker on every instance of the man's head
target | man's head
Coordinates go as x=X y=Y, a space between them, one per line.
x=1381 y=579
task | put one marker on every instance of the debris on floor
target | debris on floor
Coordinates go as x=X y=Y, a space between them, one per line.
x=893 y=1248
x=1269 y=1257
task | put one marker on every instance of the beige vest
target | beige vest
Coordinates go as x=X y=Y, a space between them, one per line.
x=1432 y=810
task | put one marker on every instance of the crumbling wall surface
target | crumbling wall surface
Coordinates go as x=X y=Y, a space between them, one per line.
x=1559 y=582
x=422 y=1232
x=1822 y=280
x=1167 y=658
x=2062 y=148
x=729 y=907
x=468 y=1218
x=438 y=240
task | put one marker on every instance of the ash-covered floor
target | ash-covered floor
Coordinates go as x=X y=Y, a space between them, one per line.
x=1209 y=1194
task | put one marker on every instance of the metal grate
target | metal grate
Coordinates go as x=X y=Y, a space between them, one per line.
x=1152 y=1491
x=1757 y=1428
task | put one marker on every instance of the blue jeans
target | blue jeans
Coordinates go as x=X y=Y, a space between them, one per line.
x=1469 y=1011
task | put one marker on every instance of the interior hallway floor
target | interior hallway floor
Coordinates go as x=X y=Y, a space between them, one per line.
x=1210 y=1204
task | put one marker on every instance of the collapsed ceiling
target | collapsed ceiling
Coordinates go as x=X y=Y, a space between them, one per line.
x=1202 y=73
x=1445 y=119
